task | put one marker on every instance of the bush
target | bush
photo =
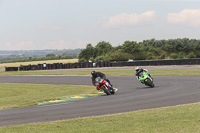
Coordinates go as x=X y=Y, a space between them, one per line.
x=120 y=56
x=82 y=60
x=191 y=55
x=102 y=58
x=174 y=56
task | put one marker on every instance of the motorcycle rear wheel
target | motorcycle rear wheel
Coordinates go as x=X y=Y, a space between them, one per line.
x=149 y=83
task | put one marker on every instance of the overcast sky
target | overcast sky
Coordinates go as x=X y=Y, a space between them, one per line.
x=64 y=24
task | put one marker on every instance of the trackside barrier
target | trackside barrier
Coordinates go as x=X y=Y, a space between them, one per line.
x=194 y=61
x=11 y=69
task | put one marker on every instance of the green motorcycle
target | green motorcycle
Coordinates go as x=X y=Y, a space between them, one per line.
x=146 y=79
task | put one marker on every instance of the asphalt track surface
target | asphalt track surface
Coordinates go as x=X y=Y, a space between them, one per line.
x=132 y=96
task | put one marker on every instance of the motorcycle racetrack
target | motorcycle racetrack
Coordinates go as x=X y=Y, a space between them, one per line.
x=132 y=96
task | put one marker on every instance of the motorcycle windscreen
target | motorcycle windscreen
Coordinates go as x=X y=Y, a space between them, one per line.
x=98 y=80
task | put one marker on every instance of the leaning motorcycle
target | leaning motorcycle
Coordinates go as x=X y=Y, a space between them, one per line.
x=104 y=86
x=146 y=79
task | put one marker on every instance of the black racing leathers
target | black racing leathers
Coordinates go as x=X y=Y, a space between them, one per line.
x=98 y=74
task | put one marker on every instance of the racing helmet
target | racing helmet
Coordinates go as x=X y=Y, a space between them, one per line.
x=93 y=72
x=137 y=69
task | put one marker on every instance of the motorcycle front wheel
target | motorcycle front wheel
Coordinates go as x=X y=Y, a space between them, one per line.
x=106 y=90
x=112 y=91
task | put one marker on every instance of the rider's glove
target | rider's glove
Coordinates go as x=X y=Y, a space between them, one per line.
x=98 y=88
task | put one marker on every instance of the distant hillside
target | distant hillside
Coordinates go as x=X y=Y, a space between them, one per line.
x=12 y=54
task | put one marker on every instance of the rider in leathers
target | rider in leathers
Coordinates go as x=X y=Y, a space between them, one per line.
x=139 y=70
x=103 y=76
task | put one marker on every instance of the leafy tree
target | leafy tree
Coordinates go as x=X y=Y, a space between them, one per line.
x=130 y=47
x=148 y=49
x=119 y=55
x=167 y=48
x=102 y=48
x=87 y=53
x=196 y=49
x=163 y=56
x=82 y=60
x=92 y=59
x=102 y=58
x=191 y=55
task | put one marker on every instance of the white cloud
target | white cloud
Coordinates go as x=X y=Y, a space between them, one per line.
x=188 y=17
x=125 y=19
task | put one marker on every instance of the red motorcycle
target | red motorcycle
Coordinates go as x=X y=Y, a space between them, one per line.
x=104 y=86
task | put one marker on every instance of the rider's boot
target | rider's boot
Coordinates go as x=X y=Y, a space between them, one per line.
x=115 y=89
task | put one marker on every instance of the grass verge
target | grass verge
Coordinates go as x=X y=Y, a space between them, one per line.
x=176 y=119
x=154 y=72
x=21 y=95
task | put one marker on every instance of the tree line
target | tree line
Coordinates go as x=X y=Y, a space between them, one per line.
x=47 y=57
x=151 y=49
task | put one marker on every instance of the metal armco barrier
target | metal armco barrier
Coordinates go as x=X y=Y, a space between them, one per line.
x=194 y=61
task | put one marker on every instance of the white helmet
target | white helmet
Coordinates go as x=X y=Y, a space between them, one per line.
x=137 y=69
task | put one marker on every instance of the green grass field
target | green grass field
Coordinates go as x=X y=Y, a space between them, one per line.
x=177 y=119
x=21 y=95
